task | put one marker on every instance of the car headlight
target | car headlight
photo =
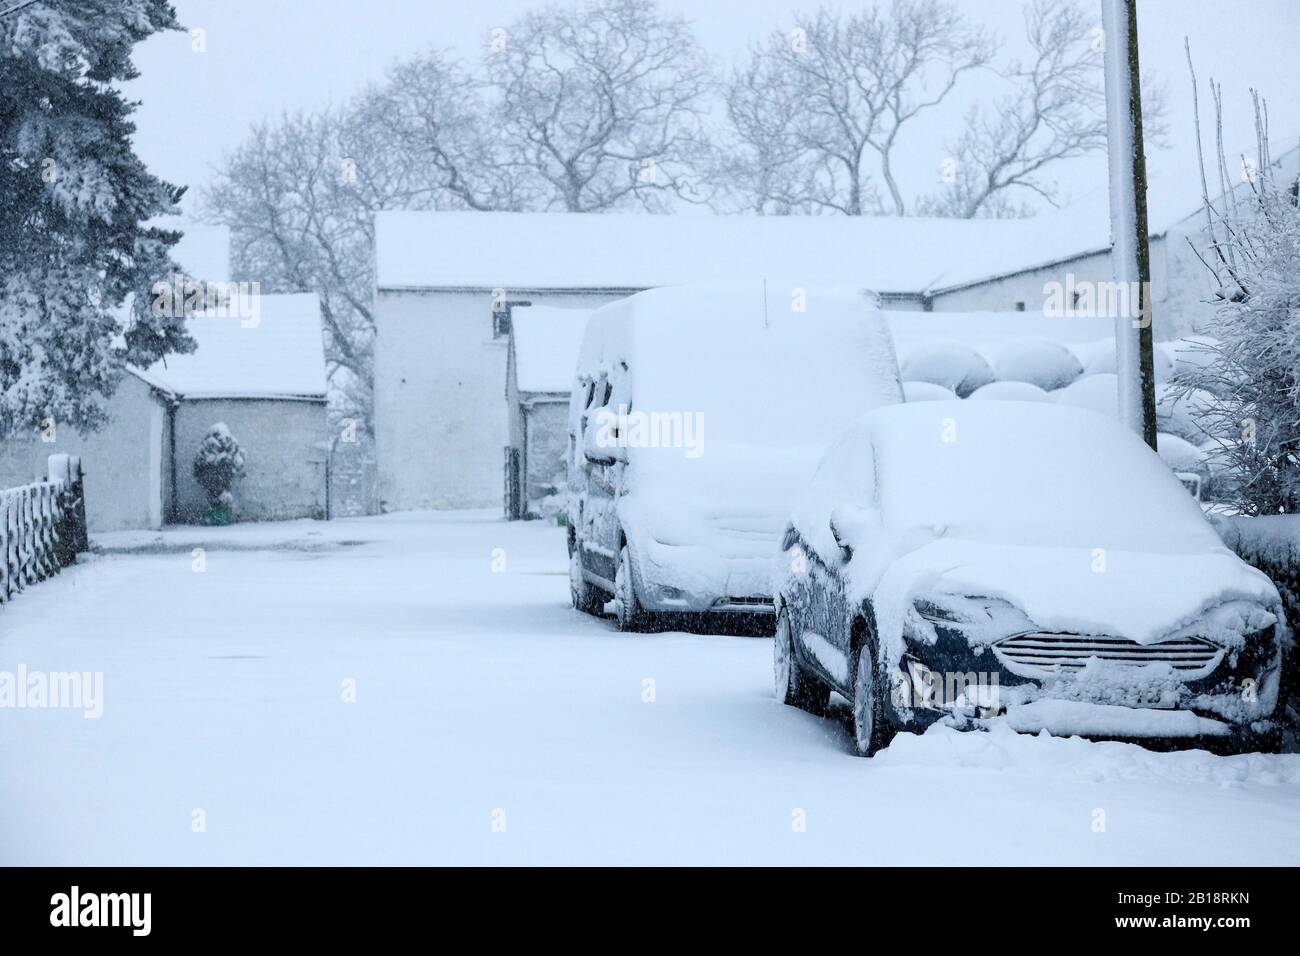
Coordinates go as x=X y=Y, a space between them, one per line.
x=981 y=620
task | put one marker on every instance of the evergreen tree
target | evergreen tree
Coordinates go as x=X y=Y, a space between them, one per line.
x=76 y=203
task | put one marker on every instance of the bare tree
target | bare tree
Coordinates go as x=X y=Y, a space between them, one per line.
x=293 y=200
x=433 y=120
x=1250 y=244
x=1054 y=112
x=600 y=104
x=300 y=196
x=817 y=113
x=769 y=164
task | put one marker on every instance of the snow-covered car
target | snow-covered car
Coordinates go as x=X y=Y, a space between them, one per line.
x=967 y=562
x=698 y=415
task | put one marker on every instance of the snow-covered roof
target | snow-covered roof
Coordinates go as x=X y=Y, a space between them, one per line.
x=902 y=255
x=718 y=350
x=278 y=353
x=546 y=343
x=547 y=251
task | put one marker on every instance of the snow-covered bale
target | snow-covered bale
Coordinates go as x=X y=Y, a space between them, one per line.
x=944 y=362
x=927 y=392
x=1010 y=392
x=1042 y=362
x=1180 y=455
x=1084 y=351
x=1187 y=413
x=1101 y=360
x=1097 y=393
x=1190 y=353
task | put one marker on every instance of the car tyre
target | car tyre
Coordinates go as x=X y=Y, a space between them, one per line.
x=585 y=597
x=795 y=687
x=869 y=728
x=627 y=609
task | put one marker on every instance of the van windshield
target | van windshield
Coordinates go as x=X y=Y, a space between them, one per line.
x=749 y=375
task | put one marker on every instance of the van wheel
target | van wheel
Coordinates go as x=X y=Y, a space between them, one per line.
x=795 y=687
x=869 y=729
x=583 y=595
x=627 y=610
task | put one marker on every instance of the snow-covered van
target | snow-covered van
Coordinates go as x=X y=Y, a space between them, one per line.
x=698 y=414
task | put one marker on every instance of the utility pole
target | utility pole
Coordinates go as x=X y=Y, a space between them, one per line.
x=1130 y=250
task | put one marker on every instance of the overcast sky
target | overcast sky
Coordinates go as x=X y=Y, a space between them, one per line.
x=267 y=56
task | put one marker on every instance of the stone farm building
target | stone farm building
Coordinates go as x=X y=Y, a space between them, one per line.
x=541 y=356
x=449 y=282
x=266 y=381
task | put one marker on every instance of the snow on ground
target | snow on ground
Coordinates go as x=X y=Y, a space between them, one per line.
x=481 y=697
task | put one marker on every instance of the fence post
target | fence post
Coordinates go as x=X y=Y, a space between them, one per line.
x=57 y=471
x=5 y=576
x=81 y=536
x=25 y=536
x=49 y=534
x=66 y=469
x=38 y=531
x=42 y=526
x=11 y=544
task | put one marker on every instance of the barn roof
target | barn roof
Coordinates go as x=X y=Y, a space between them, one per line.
x=278 y=353
x=554 y=251
x=892 y=255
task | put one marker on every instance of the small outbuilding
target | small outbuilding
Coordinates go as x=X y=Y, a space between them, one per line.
x=263 y=376
x=540 y=364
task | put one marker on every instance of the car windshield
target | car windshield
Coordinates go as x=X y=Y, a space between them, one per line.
x=1039 y=474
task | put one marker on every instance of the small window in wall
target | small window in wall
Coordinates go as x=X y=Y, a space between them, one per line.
x=1020 y=306
x=501 y=316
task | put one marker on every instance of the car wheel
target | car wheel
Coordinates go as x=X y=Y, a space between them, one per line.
x=868 y=710
x=794 y=685
x=583 y=595
x=627 y=610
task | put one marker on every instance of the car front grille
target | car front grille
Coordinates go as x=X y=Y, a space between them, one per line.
x=1047 y=652
x=750 y=602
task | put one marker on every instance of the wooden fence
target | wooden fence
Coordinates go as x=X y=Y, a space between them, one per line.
x=42 y=526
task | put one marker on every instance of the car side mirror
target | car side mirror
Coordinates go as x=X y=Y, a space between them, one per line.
x=597 y=447
x=846 y=549
x=851 y=526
